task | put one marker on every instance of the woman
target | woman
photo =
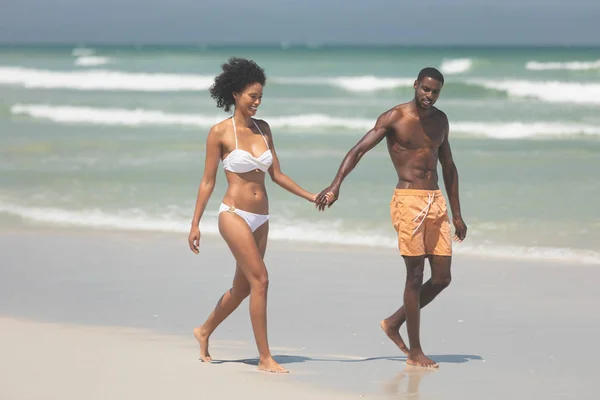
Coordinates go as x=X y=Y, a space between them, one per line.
x=245 y=146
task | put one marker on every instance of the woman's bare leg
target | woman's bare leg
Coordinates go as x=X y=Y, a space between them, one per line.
x=260 y=236
x=240 y=289
x=243 y=245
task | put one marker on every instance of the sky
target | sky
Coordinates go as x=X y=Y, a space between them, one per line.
x=423 y=22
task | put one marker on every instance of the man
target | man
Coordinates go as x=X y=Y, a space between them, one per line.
x=417 y=136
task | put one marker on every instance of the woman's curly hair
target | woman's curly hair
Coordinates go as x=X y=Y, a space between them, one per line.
x=237 y=74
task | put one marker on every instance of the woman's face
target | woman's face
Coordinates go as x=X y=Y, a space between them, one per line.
x=249 y=99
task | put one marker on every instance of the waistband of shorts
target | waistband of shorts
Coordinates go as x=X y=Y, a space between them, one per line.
x=417 y=192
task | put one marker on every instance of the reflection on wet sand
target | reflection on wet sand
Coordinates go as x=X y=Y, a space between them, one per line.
x=407 y=383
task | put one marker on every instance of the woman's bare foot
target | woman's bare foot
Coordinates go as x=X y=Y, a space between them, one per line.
x=202 y=338
x=270 y=365
x=418 y=359
x=393 y=333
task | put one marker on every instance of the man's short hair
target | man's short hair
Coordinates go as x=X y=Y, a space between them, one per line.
x=432 y=73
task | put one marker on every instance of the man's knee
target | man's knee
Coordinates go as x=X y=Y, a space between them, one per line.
x=440 y=271
x=441 y=282
x=414 y=283
x=414 y=272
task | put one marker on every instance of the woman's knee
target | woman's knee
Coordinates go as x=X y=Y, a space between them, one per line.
x=240 y=291
x=259 y=282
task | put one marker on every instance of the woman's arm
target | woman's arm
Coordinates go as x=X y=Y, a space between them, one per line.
x=207 y=184
x=275 y=172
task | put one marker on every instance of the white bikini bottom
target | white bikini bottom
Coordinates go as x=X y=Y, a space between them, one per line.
x=254 y=221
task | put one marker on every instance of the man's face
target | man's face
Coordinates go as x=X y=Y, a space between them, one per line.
x=427 y=91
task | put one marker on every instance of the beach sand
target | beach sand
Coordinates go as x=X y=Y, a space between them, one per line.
x=60 y=361
x=98 y=314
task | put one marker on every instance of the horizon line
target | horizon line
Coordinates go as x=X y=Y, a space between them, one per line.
x=288 y=45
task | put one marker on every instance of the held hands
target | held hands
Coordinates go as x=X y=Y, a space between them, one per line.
x=194 y=239
x=313 y=198
x=460 y=229
x=327 y=197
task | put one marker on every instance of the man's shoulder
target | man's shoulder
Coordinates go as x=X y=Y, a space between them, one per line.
x=440 y=114
x=394 y=114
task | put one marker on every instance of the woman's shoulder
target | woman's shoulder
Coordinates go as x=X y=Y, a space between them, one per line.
x=217 y=133
x=263 y=125
x=220 y=127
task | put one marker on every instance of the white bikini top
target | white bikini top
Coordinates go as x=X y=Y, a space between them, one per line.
x=240 y=161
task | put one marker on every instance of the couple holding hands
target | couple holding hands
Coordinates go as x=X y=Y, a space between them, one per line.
x=417 y=138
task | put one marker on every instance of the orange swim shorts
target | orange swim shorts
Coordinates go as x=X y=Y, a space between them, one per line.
x=421 y=219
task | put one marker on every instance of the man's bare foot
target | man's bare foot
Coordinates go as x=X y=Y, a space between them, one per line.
x=418 y=359
x=394 y=334
x=270 y=365
x=202 y=338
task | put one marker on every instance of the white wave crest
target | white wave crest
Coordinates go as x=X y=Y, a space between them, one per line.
x=102 y=80
x=82 y=51
x=456 y=66
x=564 y=65
x=141 y=117
x=329 y=233
x=367 y=83
x=550 y=91
x=308 y=121
x=111 y=116
x=516 y=130
x=92 y=61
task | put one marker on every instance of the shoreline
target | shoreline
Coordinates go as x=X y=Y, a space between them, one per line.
x=578 y=256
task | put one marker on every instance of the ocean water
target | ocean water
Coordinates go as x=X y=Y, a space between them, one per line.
x=113 y=138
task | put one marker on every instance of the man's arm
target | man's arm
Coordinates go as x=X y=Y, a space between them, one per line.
x=450 y=174
x=366 y=143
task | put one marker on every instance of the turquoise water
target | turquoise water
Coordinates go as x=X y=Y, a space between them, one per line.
x=113 y=137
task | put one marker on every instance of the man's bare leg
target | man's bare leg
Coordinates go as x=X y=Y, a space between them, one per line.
x=412 y=307
x=440 y=279
x=424 y=294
